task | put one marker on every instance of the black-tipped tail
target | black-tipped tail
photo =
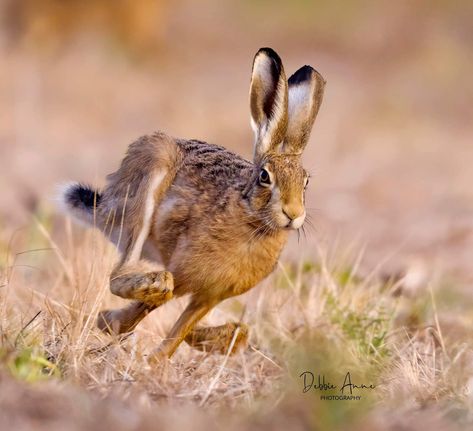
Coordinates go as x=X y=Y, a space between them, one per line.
x=82 y=196
x=81 y=201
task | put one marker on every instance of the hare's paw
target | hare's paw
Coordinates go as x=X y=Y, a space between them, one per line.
x=154 y=288
x=219 y=338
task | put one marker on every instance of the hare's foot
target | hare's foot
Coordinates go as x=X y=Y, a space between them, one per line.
x=219 y=338
x=123 y=319
x=152 y=288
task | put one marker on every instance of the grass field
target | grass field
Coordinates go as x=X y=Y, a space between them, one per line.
x=380 y=287
x=319 y=315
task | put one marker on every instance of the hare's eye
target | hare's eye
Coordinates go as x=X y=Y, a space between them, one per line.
x=264 y=178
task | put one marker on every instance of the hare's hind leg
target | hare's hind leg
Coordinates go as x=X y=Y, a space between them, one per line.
x=133 y=277
x=124 y=319
x=219 y=338
x=143 y=282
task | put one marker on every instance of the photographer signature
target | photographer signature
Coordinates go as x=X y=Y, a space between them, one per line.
x=321 y=384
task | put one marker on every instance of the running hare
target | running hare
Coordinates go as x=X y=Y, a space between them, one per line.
x=217 y=222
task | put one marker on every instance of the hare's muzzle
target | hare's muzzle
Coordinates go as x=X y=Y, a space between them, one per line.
x=294 y=217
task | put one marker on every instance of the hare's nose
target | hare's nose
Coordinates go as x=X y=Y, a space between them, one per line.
x=292 y=212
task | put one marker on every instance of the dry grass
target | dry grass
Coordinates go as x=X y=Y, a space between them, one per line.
x=319 y=314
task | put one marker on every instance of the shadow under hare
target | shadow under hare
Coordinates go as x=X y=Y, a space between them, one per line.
x=215 y=221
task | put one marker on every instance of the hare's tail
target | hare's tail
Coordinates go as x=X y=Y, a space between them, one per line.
x=80 y=201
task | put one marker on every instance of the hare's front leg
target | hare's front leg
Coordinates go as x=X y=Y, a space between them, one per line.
x=195 y=311
x=219 y=338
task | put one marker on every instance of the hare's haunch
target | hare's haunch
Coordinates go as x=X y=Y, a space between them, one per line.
x=215 y=221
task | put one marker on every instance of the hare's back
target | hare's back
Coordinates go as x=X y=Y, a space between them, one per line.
x=205 y=165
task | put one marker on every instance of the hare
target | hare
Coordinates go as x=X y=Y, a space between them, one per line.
x=216 y=221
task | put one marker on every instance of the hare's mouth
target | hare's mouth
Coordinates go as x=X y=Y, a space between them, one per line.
x=294 y=225
x=289 y=223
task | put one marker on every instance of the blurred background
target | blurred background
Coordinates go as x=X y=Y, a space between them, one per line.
x=391 y=153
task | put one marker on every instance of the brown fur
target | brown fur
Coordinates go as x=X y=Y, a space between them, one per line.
x=218 y=338
x=124 y=196
x=205 y=212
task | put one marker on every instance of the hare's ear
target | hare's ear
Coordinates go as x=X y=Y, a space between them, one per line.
x=306 y=90
x=268 y=101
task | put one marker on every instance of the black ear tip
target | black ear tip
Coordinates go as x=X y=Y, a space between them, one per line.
x=268 y=51
x=272 y=54
x=303 y=74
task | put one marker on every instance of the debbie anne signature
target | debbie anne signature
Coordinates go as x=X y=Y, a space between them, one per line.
x=309 y=382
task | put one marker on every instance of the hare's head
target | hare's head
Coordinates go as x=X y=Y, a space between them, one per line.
x=282 y=116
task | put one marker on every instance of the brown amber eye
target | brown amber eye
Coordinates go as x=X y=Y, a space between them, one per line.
x=264 y=178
